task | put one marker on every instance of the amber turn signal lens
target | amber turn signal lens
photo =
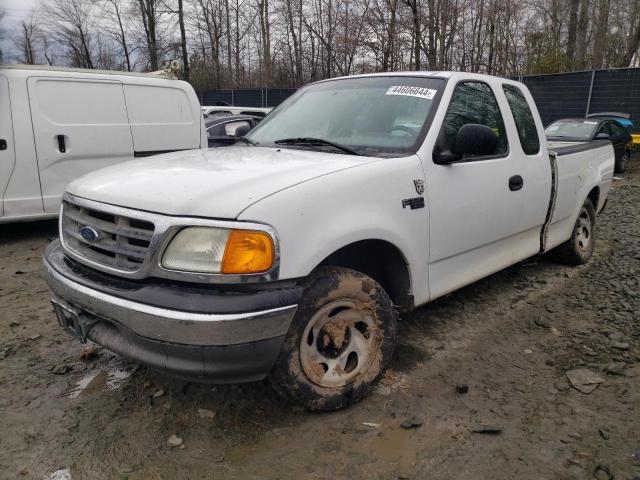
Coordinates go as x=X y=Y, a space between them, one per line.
x=248 y=251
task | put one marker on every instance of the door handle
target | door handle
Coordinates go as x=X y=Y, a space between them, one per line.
x=3 y=144
x=515 y=183
x=61 y=146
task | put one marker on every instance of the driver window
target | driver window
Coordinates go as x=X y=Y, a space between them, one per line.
x=473 y=102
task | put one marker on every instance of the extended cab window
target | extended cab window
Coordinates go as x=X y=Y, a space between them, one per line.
x=525 y=124
x=473 y=103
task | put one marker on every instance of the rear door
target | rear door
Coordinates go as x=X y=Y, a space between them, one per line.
x=7 y=148
x=79 y=126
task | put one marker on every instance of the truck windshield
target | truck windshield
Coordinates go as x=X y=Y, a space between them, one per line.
x=576 y=129
x=373 y=116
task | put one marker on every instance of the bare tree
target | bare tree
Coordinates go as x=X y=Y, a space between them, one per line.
x=148 y=13
x=25 y=39
x=69 y=25
x=114 y=11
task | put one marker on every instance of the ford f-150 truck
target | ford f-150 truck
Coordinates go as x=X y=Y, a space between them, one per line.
x=291 y=254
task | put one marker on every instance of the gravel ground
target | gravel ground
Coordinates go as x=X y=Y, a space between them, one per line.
x=510 y=338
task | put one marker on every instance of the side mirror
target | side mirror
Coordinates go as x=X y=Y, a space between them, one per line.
x=471 y=139
x=602 y=136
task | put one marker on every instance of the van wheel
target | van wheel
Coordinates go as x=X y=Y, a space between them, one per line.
x=579 y=248
x=340 y=341
x=622 y=164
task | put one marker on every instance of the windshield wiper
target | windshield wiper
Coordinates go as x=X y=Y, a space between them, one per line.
x=246 y=140
x=315 y=142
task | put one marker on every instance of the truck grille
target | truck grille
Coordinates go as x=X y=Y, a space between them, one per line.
x=120 y=242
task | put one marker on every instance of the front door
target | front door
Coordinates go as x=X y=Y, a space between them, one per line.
x=7 y=145
x=79 y=126
x=475 y=205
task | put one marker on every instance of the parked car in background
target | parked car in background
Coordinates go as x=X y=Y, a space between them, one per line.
x=579 y=130
x=623 y=119
x=289 y=255
x=225 y=130
x=58 y=124
x=218 y=110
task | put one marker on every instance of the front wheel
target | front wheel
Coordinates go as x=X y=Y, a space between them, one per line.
x=340 y=341
x=579 y=248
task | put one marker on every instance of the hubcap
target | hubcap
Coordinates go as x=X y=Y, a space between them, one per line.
x=339 y=343
x=583 y=230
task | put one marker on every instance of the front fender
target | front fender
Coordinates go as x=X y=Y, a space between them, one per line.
x=315 y=218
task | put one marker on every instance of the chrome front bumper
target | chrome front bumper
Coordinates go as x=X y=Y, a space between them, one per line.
x=174 y=326
x=207 y=346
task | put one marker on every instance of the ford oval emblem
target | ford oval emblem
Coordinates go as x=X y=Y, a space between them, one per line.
x=89 y=234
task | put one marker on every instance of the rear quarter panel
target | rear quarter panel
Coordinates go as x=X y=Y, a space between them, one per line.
x=578 y=174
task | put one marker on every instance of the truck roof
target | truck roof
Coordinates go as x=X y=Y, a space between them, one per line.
x=432 y=74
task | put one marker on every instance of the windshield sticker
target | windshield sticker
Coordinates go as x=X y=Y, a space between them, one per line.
x=408 y=91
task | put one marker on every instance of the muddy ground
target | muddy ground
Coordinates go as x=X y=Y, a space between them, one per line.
x=511 y=338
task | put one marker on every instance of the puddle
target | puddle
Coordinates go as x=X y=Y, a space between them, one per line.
x=98 y=381
x=390 y=446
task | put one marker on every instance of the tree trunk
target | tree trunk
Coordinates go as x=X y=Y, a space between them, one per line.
x=600 y=42
x=148 y=15
x=581 y=35
x=572 y=29
x=183 y=41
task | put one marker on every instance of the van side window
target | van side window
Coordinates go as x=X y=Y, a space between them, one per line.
x=525 y=124
x=473 y=102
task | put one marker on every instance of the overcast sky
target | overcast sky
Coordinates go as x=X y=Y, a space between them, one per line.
x=15 y=11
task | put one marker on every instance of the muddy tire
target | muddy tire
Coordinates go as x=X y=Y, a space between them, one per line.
x=622 y=164
x=579 y=248
x=340 y=341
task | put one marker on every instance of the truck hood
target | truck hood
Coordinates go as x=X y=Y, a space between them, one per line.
x=214 y=183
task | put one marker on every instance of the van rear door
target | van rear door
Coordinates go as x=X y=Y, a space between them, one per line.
x=7 y=149
x=79 y=126
x=162 y=119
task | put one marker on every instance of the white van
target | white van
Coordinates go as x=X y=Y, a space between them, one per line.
x=58 y=124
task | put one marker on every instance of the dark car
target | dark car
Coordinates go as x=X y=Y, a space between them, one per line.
x=623 y=119
x=225 y=130
x=594 y=128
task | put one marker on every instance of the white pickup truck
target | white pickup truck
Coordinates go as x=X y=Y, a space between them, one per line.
x=291 y=254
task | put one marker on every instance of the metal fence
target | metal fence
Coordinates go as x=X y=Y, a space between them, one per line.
x=245 y=97
x=558 y=95
x=577 y=94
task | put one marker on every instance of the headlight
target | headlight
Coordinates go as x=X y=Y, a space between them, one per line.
x=219 y=250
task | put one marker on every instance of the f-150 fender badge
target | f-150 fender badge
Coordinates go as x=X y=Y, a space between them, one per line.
x=413 y=203
x=419 y=184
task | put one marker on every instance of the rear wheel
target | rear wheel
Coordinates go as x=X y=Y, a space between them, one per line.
x=579 y=248
x=622 y=163
x=340 y=341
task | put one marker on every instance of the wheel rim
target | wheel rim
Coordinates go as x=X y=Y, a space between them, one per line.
x=339 y=343
x=583 y=230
